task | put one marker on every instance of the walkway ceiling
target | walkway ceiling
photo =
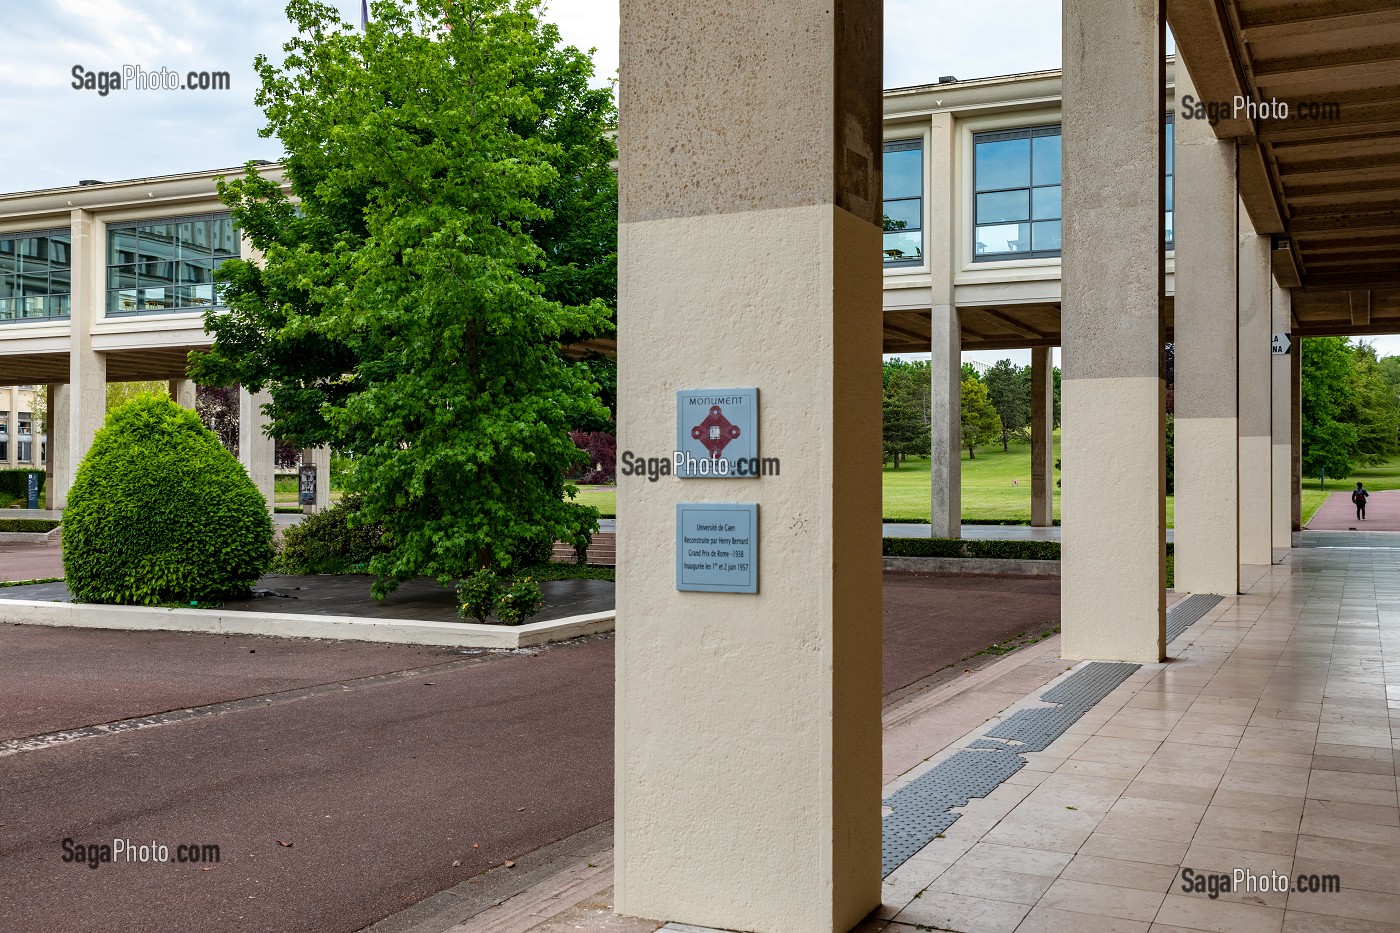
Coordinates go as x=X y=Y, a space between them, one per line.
x=1328 y=188
x=990 y=327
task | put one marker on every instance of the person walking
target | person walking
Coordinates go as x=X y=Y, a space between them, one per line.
x=1358 y=498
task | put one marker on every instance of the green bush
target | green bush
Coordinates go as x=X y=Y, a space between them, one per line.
x=27 y=525
x=518 y=601
x=512 y=600
x=957 y=547
x=14 y=485
x=328 y=542
x=161 y=513
x=477 y=594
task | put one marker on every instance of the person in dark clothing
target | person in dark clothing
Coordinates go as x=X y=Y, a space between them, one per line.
x=1358 y=498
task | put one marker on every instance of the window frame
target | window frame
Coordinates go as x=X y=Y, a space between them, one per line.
x=168 y=291
x=905 y=143
x=48 y=300
x=1029 y=133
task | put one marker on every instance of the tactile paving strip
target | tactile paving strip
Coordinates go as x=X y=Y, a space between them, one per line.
x=921 y=808
x=1188 y=612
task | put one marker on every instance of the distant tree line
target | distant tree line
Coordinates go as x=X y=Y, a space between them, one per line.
x=1350 y=406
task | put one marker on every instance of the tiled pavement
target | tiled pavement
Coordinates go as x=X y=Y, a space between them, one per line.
x=1268 y=743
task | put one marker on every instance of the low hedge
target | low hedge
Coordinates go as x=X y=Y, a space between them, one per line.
x=27 y=525
x=14 y=484
x=959 y=547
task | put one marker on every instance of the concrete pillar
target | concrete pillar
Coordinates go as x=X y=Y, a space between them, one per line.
x=1256 y=417
x=87 y=368
x=1112 y=390
x=58 y=402
x=1206 y=344
x=1281 y=429
x=748 y=725
x=183 y=392
x=1295 y=367
x=320 y=458
x=11 y=395
x=945 y=425
x=255 y=448
x=1042 y=438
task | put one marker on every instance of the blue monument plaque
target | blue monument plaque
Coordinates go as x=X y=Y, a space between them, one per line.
x=717 y=433
x=717 y=547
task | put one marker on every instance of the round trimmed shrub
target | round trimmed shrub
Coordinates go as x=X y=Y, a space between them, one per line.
x=161 y=513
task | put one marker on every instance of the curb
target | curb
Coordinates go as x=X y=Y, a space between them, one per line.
x=53 y=536
x=981 y=566
x=299 y=625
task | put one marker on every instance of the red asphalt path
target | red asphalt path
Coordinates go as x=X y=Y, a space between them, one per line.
x=1338 y=514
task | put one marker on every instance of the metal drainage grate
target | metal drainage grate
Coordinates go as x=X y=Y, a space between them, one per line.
x=921 y=808
x=1188 y=612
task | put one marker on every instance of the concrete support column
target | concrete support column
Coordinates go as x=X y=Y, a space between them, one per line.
x=255 y=448
x=945 y=425
x=11 y=395
x=1042 y=438
x=320 y=458
x=183 y=392
x=752 y=716
x=1256 y=416
x=57 y=415
x=87 y=368
x=1206 y=344
x=1112 y=391
x=1281 y=428
x=1295 y=378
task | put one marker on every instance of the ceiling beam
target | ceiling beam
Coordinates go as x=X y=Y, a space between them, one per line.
x=1013 y=325
x=1360 y=309
x=1374 y=59
x=1307 y=17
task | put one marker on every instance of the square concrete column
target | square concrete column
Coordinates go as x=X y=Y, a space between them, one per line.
x=1207 y=532
x=182 y=391
x=1295 y=379
x=256 y=450
x=1042 y=438
x=320 y=458
x=1281 y=428
x=11 y=425
x=57 y=415
x=1112 y=390
x=1256 y=415
x=87 y=368
x=748 y=724
x=945 y=425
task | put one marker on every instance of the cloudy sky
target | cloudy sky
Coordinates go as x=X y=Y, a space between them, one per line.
x=56 y=135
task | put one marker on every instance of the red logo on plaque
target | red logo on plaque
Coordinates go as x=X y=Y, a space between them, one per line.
x=715 y=432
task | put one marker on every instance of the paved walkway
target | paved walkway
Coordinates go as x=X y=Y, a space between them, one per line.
x=1338 y=514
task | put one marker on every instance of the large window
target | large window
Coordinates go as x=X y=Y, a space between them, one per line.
x=904 y=203
x=1016 y=178
x=35 y=276
x=167 y=265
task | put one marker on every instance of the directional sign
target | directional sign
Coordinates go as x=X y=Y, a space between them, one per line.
x=1283 y=344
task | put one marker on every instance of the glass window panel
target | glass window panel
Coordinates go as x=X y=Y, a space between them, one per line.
x=152 y=299
x=121 y=277
x=8 y=263
x=60 y=305
x=1003 y=206
x=1003 y=238
x=32 y=306
x=121 y=301
x=1045 y=160
x=1003 y=164
x=121 y=246
x=194 y=273
x=1171 y=137
x=7 y=246
x=1045 y=235
x=192 y=238
x=32 y=285
x=1045 y=203
x=903 y=247
x=903 y=215
x=224 y=238
x=204 y=294
x=1171 y=233
x=29 y=262
x=60 y=282
x=1171 y=194
x=155 y=273
x=904 y=174
x=157 y=242
x=28 y=248
x=60 y=251
x=7 y=308
x=7 y=284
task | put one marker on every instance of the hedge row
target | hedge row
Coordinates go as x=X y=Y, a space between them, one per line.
x=1022 y=522
x=990 y=550
x=14 y=484
x=27 y=525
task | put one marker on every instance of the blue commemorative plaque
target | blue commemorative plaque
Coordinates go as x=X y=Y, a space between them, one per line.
x=717 y=547
x=717 y=433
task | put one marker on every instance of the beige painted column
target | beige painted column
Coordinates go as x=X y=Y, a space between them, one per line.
x=1207 y=531
x=58 y=403
x=945 y=424
x=320 y=458
x=183 y=392
x=87 y=368
x=748 y=725
x=12 y=427
x=255 y=448
x=1112 y=391
x=1042 y=438
x=1281 y=429
x=1256 y=417
x=1295 y=367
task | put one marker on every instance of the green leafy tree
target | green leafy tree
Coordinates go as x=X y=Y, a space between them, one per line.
x=907 y=406
x=1009 y=388
x=980 y=422
x=970 y=372
x=454 y=227
x=1374 y=409
x=1326 y=394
